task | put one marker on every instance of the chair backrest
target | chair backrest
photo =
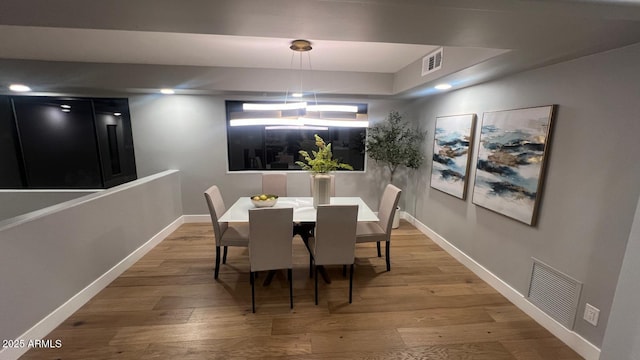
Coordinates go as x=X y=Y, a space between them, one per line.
x=335 y=234
x=274 y=183
x=332 y=189
x=388 y=205
x=216 y=209
x=270 y=238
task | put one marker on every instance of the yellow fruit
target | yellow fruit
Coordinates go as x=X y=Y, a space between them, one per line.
x=256 y=198
x=263 y=197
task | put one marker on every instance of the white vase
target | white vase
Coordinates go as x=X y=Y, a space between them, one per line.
x=321 y=189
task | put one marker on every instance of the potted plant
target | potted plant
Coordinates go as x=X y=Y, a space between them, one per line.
x=394 y=144
x=320 y=164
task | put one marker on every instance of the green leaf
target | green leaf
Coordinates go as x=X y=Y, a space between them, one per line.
x=322 y=160
x=394 y=143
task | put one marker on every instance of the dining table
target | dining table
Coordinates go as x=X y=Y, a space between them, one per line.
x=303 y=209
x=303 y=213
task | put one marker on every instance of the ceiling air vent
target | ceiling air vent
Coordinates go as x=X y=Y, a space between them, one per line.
x=432 y=62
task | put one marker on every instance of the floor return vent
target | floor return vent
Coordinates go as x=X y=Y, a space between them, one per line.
x=555 y=293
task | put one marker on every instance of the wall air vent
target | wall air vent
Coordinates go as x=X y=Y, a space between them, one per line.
x=432 y=62
x=554 y=293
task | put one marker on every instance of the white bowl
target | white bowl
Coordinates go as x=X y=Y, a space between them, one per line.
x=271 y=200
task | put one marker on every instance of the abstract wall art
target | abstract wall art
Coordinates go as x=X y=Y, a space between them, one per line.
x=451 y=153
x=513 y=150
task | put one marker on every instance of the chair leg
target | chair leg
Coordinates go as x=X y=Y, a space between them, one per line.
x=387 y=255
x=217 y=269
x=378 y=245
x=290 y=275
x=315 y=269
x=224 y=256
x=350 y=282
x=253 y=292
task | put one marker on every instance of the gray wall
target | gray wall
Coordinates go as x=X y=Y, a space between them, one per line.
x=592 y=183
x=622 y=339
x=18 y=202
x=47 y=259
x=188 y=133
x=587 y=210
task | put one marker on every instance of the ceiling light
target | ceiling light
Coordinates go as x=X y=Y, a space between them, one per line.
x=19 y=88
x=117 y=114
x=331 y=107
x=324 y=115
x=65 y=106
x=331 y=122
x=296 y=127
x=264 y=121
x=66 y=110
x=443 y=86
x=167 y=91
x=283 y=106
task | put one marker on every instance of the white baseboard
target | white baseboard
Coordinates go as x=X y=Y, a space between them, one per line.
x=569 y=337
x=196 y=218
x=55 y=318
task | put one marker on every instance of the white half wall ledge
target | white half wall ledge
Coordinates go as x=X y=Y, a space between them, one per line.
x=59 y=315
x=103 y=235
x=579 y=344
x=15 y=221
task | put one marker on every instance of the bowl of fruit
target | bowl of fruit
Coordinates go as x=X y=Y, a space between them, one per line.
x=264 y=200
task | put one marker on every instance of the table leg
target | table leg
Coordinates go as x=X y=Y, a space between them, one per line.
x=269 y=278
x=304 y=230
x=323 y=272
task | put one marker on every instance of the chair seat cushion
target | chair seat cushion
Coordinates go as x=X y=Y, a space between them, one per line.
x=369 y=231
x=236 y=235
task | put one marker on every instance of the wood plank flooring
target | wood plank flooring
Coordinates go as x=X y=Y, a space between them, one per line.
x=168 y=306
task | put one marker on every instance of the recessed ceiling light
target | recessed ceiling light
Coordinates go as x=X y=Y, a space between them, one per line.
x=443 y=86
x=117 y=114
x=167 y=91
x=19 y=88
x=65 y=106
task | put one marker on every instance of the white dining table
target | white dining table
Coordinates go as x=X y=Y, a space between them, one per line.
x=303 y=210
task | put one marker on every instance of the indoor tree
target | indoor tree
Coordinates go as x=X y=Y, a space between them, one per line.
x=394 y=143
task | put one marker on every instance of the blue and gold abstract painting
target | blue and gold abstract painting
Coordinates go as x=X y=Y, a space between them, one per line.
x=451 y=149
x=511 y=158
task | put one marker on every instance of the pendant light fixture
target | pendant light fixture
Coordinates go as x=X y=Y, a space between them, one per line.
x=299 y=113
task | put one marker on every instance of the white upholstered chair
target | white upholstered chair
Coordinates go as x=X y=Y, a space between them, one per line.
x=274 y=183
x=378 y=231
x=270 y=244
x=334 y=240
x=225 y=234
x=305 y=229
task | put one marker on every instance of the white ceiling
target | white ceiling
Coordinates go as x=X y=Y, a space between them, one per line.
x=163 y=48
x=361 y=47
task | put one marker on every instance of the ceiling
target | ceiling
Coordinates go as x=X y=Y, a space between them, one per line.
x=361 y=47
x=166 y=48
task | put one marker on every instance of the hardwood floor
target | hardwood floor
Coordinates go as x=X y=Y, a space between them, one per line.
x=168 y=306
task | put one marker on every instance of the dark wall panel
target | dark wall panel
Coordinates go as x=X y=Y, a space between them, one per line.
x=115 y=140
x=59 y=144
x=10 y=175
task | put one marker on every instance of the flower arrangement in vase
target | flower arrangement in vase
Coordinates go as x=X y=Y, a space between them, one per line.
x=320 y=165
